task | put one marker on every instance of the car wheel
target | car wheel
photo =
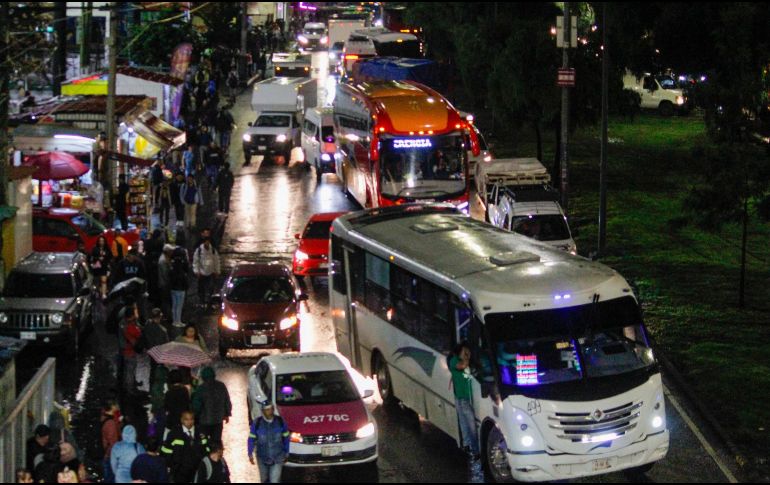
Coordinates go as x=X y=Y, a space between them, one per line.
x=638 y=473
x=384 y=384
x=496 y=457
x=666 y=109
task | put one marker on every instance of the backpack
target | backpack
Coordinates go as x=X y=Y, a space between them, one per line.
x=189 y=194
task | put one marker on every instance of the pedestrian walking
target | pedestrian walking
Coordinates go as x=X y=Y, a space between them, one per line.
x=38 y=445
x=225 y=182
x=119 y=248
x=460 y=367
x=150 y=467
x=165 y=201
x=156 y=179
x=213 y=467
x=121 y=200
x=192 y=198
x=189 y=159
x=214 y=160
x=204 y=139
x=175 y=190
x=130 y=349
x=123 y=455
x=110 y=435
x=206 y=268
x=178 y=284
x=184 y=448
x=164 y=279
x=176 y=401
x=130 y=267
x=225 y=125
x=211 y=404
x=269 y=443
x=100 y=262
x=154 y=334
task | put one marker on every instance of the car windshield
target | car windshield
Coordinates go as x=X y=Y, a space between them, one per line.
x=260 y=290
x=273 y=121
x=315 y=31
x=313 y=388
x=317 y=230
x=554 y=346
x=89 y=225
x=34 y=285
x=541 y=227
x=420 y=168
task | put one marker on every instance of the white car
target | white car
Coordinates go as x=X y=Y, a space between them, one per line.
x=321 y=405
x=314 y=36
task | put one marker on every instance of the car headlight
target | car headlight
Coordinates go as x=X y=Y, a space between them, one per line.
x=295 y=438
x=658 y=422
x=302 y=39
x=289 y=322
x=301 y=256
x=57 y=318
x=332 y=56
x=365 y=431
x=230 y=323
x=324 y=40
x=246 y=137
x=680 y=100
x=3 y=318
x=281 y=138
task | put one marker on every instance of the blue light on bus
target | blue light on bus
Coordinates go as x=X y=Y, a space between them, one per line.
x=401 y=144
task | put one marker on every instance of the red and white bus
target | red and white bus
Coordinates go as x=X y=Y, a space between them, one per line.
x=402 y=142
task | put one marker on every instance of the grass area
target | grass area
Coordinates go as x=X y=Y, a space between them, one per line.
x=686 y=278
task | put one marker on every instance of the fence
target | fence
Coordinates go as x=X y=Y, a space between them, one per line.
x=33 y=407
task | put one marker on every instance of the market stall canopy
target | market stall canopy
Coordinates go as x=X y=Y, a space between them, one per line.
x=123 y=158
x=53 y=138
x=56 y=166
x=155 y=130
x=97 y=84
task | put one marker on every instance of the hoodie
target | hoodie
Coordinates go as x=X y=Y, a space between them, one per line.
x=123 y=455
x=211 y=401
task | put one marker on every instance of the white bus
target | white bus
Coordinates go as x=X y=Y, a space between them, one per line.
x=566 y=383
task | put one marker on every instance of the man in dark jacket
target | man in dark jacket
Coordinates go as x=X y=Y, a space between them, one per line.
x=225 y=182
x=39 y=444
x=150 y=467
x=121 y=200
x=176 y=400
x=269 y=442
x=130 y=267
x=213 y=467
x=184 y=449
x=211 y=403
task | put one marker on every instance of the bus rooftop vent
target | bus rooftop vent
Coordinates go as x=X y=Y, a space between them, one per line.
x=432 y=227
x=514 y=257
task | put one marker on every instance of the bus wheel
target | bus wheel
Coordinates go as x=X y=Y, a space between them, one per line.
x=384 y=384
x=496 y=457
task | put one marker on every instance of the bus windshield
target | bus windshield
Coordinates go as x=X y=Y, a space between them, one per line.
x=423 y=167
x=569 y=344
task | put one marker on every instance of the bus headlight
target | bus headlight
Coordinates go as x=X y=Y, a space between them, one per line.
x=281 y=138
x=365 y=431
x=527 y=441
x=657 y=422
x=246 y=137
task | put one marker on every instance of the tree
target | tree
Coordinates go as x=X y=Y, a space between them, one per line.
x=153 y=44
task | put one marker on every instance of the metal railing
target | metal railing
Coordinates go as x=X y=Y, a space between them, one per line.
x=32 y=407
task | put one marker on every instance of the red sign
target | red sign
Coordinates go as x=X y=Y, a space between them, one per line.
x=566 y=78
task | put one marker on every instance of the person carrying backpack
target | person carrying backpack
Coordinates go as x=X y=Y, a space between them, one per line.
x=123 y=455
x=178 y=283
x=192 y=198
x=269 y=442
x=213 y=467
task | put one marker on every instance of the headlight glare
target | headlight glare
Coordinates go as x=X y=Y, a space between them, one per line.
x=280 y=138
x=230 y=323
x=289 y=322
x=246 y=137
x=365 y=431
x=3 y=318
x=57 y=318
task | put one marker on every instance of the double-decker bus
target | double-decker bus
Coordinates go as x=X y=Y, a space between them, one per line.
x=564 y=383
x=401 y=142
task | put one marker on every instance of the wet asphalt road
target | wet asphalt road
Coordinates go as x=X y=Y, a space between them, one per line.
x=270 y=203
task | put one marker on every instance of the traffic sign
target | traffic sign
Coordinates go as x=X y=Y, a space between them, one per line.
x=566 y=78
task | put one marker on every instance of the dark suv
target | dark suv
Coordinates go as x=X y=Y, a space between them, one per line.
x=47 y=300
x=260 y=309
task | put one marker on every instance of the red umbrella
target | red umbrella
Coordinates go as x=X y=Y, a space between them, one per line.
x=56 y=166
x=179 y=354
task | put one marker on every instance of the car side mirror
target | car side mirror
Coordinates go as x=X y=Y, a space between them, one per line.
x=368 y=393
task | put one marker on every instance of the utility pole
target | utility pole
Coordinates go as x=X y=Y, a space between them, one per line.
x=565 y=112
x=603 y=155
x=60 y=58
x=243 y=72
x=85 y=36
x=106 y=171
x=5 y=75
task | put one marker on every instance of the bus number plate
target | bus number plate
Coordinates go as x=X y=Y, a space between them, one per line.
x=603 y=464
x=329 y=451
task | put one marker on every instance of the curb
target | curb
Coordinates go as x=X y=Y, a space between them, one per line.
x=704 y=413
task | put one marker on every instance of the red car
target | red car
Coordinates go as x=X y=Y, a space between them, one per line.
x=260 y=309
x=60 y=231
x=312 y=255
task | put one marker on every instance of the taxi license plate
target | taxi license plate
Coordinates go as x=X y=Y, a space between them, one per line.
x=329 y=451
x=262 y=148
x=599 y=465
x=258 y=339
x=28 y=336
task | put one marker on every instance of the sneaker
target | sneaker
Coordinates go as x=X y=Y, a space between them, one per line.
x=178 y=324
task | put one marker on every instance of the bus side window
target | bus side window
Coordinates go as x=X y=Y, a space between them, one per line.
x=378 y=286
x=338 y=266
x=357 y=275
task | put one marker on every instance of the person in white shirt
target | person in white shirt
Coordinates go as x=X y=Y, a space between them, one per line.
x=205 y=267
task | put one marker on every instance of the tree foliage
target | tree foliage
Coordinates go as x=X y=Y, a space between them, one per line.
x=153 y=44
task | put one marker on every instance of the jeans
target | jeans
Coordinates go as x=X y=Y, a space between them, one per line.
x=109 y=476
x=270 y=473
x=224 y=139
x=467 y=418
x=177 y=303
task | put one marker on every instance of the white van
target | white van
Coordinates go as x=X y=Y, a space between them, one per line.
x=313 y=37
x=319 y=146
x=653 y=95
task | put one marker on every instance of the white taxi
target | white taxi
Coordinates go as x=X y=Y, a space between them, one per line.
x=321 y=405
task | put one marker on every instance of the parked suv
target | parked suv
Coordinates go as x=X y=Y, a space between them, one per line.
x=47 y=300
x=260 y=309
x=60 y=231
